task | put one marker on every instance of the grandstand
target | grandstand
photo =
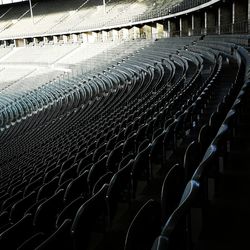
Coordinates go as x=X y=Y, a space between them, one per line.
x=124 y=124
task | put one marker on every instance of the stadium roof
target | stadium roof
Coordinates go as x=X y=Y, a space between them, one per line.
x=11 y=1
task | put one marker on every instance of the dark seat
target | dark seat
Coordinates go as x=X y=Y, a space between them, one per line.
x=144 y=227
x=77 y=187
x=105 y=179
x=177 y=229
x=119 y=189
x=47 y=189
x=96 y=171
x=18 y=209
x=89 y=218
x=46 y=213
x=170 y=199
x=33 y=186
x=160 y=243
x=114 y=158
x=125 y=161
x=69 y=211
x=192 y=158
x=140 y=168
x=4 y=219
x=129 y=145
x=51 y=174
x=11 y=200
x=17 y=233
x=84 y=162
x=99 y=151
x=32 y=242
x=67 y=164
x=71 y=172
x=60 y=239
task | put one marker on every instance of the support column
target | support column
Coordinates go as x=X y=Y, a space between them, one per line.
x=180 y=21
x=104 y=35
x=25 y=42
x=248 y=16
x=115 y=35
x=92 y=37
x=233 y=14
x=160 y=30
x=45 y=39
x=55 y=39
x=205 y=23
x=75 y=38
x=192 y=24
x=35 y=41
x=219 y=21
x=65 y=39
x=169 y=29
x=125 y=34
x=154 y=34
x=85 y=37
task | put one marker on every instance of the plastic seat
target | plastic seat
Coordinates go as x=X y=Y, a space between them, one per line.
x=47 y=189
x=88 y=219
x=46 y=213
x=125 y=161
x=84 y=162
x=96 y=171
x=32 y=242
x=99 y=151
x=51 y=174
x=160 y=243
x=140 y=168
x=70 y=210
x=119 y=189
x=77 y=187
x=105 y=179
x=67 y=174
x=177 y=228
x=33 y=186
x=68 y=163
x=129 y=145
x=171 y=191
x=114 y=158
x=144 y=227
x=17 y=233
x=10 y=201
x=60 y=239
x=192 y=158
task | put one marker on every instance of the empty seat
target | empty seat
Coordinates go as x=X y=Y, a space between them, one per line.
x=60 y=239
x=17 y=233
x=171 y=191
x=89 y=218
x=77 y=187
x=46 y=213
x=177 y=228
x=47 y=189
x=32 y=242
x=144 y=227
x=70 y=210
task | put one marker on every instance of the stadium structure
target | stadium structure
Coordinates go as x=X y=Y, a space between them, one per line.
x=124 y=124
